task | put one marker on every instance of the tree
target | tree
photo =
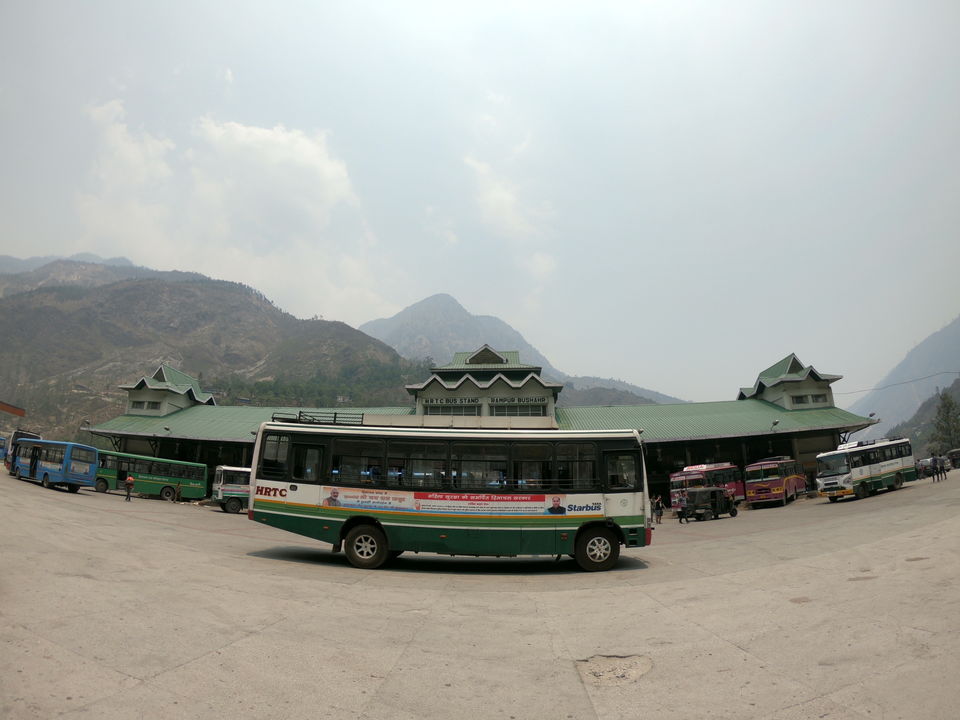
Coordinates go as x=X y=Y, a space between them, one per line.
x=946 y=425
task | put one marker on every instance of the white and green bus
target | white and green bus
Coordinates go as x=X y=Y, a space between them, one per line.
x=863 y=467
x=376 y=492
x=231 y=488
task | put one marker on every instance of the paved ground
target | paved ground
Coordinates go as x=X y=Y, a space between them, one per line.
x=156 y=610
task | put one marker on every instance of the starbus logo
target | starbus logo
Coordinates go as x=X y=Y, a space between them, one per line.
x=271 y=492
x=593 y=507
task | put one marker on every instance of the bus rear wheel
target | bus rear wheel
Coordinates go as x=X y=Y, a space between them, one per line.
x=597 y=549
x=898 y=481
x=46 y=482
x=20 y=475
x=366 y=547
x=831 y=498
x=102 y=485
x=232 y=505
x=168 y=493
x=73 y=488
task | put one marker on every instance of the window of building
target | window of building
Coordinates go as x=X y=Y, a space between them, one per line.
x=153 y=405
x=822 y=398
x=518 y=410
x=800 y=399
x=137 y=404
x=470 y=410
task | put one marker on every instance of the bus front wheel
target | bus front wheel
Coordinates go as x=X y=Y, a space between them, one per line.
x=831 y=498
x=862 y=491
x=597 y=549
x=898 y=481
x=19 y=475
x=233 y=505
x=168 y=493
x=102 y=485
x=366 y=547
x=46 y=482
x=73 y=488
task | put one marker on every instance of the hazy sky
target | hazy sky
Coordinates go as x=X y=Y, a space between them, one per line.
x=676 y=194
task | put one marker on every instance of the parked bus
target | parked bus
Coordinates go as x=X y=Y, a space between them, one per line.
x=379 y=491
x=774 y=480
x=168 y=479
x=954 y=457
x=863 y=467
x=3 y=449
x=54 y=463
x=12 y=443
x=722 y=475
x=231 y=488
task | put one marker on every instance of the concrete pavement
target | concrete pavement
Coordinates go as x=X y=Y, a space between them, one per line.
x=157 y=610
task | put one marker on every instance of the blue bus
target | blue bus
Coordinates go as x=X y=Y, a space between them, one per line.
x=54 y=462
x=10 y=444
x=3 y=449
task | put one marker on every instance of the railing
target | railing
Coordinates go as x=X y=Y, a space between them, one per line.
x=320 y=418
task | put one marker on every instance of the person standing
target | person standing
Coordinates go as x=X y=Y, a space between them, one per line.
x=128 y=484
x=658 y=509
x=682 y=507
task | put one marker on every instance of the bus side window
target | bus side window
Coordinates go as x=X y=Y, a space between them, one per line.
x=621 y=472
x=274 y=461
x=306 y=463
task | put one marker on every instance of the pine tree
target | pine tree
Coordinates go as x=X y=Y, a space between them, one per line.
x=946 y=426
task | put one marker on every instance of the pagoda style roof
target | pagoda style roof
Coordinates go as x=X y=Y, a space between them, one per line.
x=483 y=384
x=790 y=369
x=486 y=358
x=172 y=380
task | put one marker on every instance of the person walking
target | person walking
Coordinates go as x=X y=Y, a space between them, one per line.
x=658 y=509
x=128 y=484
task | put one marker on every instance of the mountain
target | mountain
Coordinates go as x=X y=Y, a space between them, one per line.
x=79 y=273
x=67 y=348
x=919 y=428
x=439 y=326
x=11 y=265
x=930 y=365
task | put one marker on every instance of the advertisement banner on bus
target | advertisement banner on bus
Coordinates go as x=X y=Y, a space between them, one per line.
x=458 y=503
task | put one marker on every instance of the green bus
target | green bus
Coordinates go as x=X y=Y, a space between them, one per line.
x=376 y=492
x=168 y=479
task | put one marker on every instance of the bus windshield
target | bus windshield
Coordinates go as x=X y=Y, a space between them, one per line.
x=833 y=465
x=763 y=473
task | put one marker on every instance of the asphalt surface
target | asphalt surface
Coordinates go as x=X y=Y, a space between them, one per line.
x=149 y=609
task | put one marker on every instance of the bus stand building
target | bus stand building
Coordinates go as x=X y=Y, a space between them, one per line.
x=789 y=410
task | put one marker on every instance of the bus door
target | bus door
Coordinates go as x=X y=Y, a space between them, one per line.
x=624 y=500
x=34 y=460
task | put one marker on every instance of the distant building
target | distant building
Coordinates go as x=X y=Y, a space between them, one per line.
x=789 y=410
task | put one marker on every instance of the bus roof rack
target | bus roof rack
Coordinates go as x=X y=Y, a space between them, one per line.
x=305 y=417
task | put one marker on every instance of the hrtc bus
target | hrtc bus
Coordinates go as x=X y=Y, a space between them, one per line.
x=774 y=480
x=379 y=491
x=863 y=467
x=12 y=443
x=231 y=488
x=52 y=462
x=722 y=475
x=170 y=479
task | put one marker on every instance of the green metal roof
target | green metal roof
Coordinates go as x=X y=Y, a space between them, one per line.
x=461 y=361
x=696 y=421
x=216 y=423
x=660 y=423
x=790 y=369
x=169 y=378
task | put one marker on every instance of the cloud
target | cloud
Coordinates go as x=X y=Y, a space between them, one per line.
x=498 y=201
x=271 y=207
x=128 y=174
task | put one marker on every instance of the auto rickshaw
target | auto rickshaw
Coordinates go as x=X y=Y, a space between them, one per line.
x=707 y=503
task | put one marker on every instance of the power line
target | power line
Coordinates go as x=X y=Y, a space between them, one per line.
x=905 y=382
